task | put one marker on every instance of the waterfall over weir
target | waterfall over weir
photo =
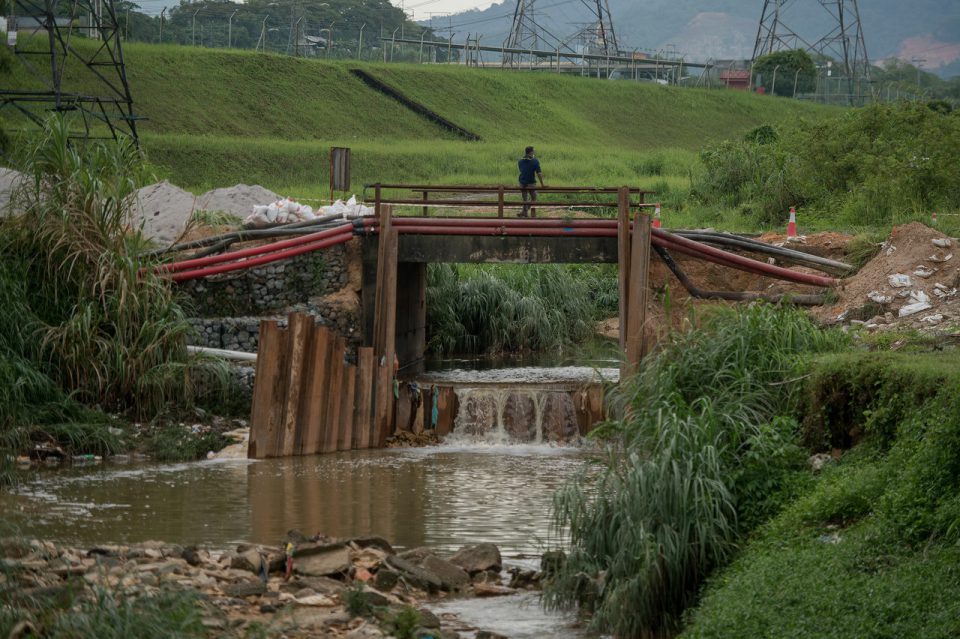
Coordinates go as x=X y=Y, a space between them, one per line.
x=515 y=416
x=519 y=405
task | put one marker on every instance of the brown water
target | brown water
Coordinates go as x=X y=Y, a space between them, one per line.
x=441 y=497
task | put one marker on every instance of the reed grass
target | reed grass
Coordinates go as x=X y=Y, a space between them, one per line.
x=81 y=326
x=698 y=442
x=514 y=308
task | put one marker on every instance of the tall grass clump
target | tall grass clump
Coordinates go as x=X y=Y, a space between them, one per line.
x=107 y=332
x=508 y=308
x=703 y=445
x=866 y=166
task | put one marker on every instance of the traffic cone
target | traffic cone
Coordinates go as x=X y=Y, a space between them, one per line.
x=656 y=217
x=792 y=224
x=933 y=218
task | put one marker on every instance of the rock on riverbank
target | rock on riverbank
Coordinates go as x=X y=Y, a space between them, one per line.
x=311 y=587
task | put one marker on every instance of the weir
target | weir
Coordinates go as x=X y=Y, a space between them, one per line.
x=308 y=400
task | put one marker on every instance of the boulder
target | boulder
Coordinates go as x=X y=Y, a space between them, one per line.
x=372 y=541
x=415 y=575
x=452 y=577
x=386 y=579
x=478 y=558
x=428 y=619
x=552 y=562
x=332 y=560
x=492 y=590
x=249 y=560
x=245 y=589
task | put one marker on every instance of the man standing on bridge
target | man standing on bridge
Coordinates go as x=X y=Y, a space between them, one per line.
x=529 y=174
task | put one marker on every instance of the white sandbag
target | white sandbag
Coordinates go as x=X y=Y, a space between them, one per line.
x=272 y=211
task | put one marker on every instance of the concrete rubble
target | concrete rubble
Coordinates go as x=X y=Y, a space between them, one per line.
x=349 y=588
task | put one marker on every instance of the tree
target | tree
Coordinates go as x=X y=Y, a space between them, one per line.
x=787 y=68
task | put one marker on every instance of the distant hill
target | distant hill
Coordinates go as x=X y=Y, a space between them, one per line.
x=724 y=29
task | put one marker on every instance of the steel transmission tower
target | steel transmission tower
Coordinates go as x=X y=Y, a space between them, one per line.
x=76 y=66
x=843 y=42
x=526 y=33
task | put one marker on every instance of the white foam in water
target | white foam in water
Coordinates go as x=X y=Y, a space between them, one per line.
x=525 y=375
x=514 y=415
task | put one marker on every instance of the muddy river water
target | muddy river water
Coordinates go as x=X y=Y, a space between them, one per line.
x=442 y=497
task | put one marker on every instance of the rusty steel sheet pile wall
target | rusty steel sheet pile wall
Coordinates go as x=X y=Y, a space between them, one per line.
x=307 y=399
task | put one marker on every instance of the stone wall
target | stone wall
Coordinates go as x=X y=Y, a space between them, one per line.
x=268 y=288
x=243 y=333
x=227 y=308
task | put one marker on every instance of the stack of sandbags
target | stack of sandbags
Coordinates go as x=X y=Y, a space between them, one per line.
x=279 y=212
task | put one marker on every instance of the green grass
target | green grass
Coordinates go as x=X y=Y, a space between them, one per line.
x=703 y=449
x=870 y=548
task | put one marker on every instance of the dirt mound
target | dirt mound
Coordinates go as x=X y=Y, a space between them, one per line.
x=829 y=244
x=237 y=200
x=164 y=210
x=8 y=181
x=912 y=281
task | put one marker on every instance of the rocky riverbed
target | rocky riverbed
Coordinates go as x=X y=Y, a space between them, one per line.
x=308 y=587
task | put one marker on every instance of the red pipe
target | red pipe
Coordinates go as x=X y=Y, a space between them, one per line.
x=265 y=259
x=702 y=250
x=500 y=230
x=256 y=250
x=515 y=222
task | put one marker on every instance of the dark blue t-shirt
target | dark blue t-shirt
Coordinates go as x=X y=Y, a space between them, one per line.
x=529 y=167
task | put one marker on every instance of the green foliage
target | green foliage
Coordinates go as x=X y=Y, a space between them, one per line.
x=356 y=600
x=168 y=614
x=108 y=333
x=870 y=549
x=403 y=624
x=177 y=442
x=699 y=455
x=789 y=66
x=493 y=309
x=867 y=166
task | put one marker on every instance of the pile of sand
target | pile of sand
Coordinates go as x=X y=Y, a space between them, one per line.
x=924 y=263
x=165 y=209
x=8 y=181
x=237 y=200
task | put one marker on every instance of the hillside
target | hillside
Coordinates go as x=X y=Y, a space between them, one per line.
x=216 y=117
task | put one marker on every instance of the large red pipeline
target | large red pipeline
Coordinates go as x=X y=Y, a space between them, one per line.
x=275 y=256
x=256 y=250
x=698 y=249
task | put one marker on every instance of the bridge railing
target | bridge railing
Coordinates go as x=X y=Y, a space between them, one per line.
x=475 y=197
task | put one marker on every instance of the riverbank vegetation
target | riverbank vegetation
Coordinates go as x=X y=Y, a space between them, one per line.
x=704 y=448
x=708 y=521
x=516 y=308
x=870 y=167
x=85 y=335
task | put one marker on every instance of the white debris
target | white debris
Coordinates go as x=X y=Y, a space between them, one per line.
x=899 y=280
x=888 y=249
x=942 y=242
x=921 y=302
x=937 y=258
x=879 y=298
x=932 y=320
x=924 y=271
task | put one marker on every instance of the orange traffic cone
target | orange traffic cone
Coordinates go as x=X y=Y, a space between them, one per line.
x=656 y=216
x=792 y=224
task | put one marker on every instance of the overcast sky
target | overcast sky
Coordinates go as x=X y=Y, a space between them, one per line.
x=422 y=8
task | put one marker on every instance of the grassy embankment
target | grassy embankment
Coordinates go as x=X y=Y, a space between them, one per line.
x=870 y=550
x=216 y=118
x=705 y=479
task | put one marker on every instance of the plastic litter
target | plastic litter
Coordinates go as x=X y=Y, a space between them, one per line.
x=932 y=320
x=924 y=271
x=937 y=258
x=942 y=242
x=888 y=249
x=879 y=298
x=899 y=280
x=921 y=302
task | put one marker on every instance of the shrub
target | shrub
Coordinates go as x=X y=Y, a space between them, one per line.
x=697 y=455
